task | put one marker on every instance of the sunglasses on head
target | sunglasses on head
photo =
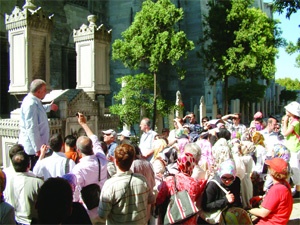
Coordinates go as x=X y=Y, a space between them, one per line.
x=227 y=178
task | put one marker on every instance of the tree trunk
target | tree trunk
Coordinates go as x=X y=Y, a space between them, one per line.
x=154 y=103
x=225 y=110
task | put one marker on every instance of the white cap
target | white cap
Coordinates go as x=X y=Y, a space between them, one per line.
x=125 y=133
x=110 y=131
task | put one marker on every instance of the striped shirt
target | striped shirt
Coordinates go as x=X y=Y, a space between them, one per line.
x=123 y=204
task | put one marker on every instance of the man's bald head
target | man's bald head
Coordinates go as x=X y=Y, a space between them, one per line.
x=84 y=145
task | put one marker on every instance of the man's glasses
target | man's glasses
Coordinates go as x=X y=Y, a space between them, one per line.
x=227 y=178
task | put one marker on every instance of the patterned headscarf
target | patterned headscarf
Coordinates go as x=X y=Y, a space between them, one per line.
x=258 y=139
x=280 y=151
x=71 y=178
x=186 y=163
x=221 y=151
x=227 y=167
x=247 y=147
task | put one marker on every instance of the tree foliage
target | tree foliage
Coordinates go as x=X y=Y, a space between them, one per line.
x=287 y=95
x=137 y=95
x=289 y=84
x=291 y=6
x=153 y=39
x=238 y=42
x=247 y=92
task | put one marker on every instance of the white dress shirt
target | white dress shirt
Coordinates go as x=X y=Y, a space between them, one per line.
x=53 y=166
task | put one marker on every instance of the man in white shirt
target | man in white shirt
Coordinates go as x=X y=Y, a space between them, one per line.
x=55 y=165
x=92 y=167
x=147 y=138
x=270 y=136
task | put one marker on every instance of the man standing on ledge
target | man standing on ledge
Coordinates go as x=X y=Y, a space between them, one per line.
x=34 y=126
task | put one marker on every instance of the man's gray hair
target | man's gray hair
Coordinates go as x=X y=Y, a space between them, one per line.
x=36 y=85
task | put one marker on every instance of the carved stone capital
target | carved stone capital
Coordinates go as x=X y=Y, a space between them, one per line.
x=28 y=18
x=92 y=32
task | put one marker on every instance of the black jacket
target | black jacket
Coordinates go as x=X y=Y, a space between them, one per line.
x=214 y=197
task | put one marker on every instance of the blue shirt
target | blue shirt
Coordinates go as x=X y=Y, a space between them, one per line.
x=34 y=126
x=111 y=148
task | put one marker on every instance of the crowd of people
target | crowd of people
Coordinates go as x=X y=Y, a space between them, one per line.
x=220 y=162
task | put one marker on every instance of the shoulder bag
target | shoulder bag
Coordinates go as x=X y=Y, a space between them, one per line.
x=213 y=217
x=180 y=208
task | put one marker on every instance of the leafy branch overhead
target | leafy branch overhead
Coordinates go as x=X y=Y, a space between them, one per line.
x=153 y=38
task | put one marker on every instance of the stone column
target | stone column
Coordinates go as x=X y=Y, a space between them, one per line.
x=92 y=61
x=179 y=113
x=202 y=108
x=29 y=38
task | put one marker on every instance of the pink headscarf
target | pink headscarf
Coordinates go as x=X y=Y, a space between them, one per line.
x=186 y=163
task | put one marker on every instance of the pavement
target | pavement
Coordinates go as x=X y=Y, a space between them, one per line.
x=295 y=216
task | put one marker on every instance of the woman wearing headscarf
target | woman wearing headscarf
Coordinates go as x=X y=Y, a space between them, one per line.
x=184 y=181
x=247 y=148
x=214 y=198
x=260 y=151
x=7 y=212
x=221 y=151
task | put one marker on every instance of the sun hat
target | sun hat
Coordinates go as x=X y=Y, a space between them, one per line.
x=278 y=164
x=125 y=133
x=294 y=108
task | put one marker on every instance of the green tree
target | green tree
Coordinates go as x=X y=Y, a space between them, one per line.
x=287 y=95
x=153 y=39
x=137 y=95
x=289 y=7
x=239 y=42
x=289 y=84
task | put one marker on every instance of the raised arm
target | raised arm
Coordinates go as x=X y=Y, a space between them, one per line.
x=83 y=124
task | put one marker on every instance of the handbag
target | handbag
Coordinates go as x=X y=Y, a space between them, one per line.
x=90 y=194
x=213 y=217
x=180 y=207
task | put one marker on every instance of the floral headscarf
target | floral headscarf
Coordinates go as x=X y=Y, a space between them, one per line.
x=280 y=151
x=227 y=167
x=221 y=151
x=186 y=163
x=258 y=139
x=247 y=147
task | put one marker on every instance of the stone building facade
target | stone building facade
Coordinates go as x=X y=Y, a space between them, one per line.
x=116 y=15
